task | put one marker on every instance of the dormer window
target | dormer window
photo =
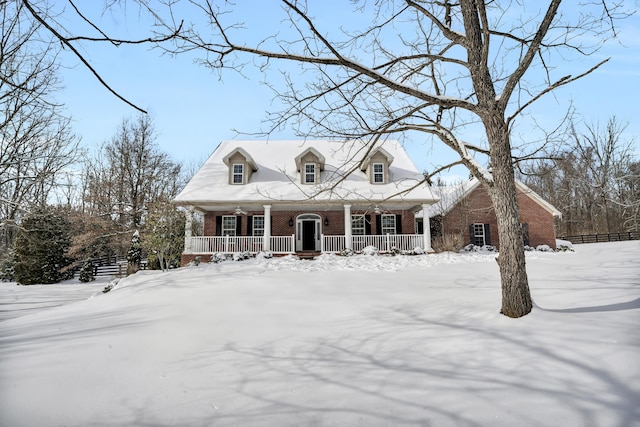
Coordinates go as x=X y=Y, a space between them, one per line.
x=378 y=173
x=310 y=163
x=241 y=166
x=238 y=173
x=309 y=173
x=376 y=166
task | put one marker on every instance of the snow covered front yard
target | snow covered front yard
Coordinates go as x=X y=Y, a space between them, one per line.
x=371 y=341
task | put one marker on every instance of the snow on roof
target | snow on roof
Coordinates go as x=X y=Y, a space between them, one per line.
x=277 y=177
x=450 y=195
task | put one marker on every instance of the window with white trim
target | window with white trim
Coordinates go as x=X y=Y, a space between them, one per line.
x=309 y=173
x=479 y=238
x=238 y=173
x=258 y=225
x=358 y=225
x=388 y=224
x=378 y=173
x=229 y=225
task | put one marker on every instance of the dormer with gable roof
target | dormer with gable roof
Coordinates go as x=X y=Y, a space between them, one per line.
x=241 y=166
x=376 y=166
x=309 y=164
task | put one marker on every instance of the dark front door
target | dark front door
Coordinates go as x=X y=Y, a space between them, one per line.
x=309 y=235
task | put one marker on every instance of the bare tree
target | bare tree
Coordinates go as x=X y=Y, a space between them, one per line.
x=592 y=181
x=36 y=142
x=126 y=176
x=436 y=67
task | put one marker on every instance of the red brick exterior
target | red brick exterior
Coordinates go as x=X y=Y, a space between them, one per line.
x=280 y=224
x=476 y=207
x=280 y=221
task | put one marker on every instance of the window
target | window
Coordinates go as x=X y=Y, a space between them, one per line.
x=357 y=225
x=229 y=225
x=238 y=174
x=258 y=225
x=378 y=173
x=388 y=224
x=478 y=237
x=309 y=173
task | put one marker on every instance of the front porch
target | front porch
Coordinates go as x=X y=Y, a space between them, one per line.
x=282 y=245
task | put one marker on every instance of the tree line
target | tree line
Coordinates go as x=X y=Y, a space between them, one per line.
x=116 y=199
x=61 y=204
x=592 y=177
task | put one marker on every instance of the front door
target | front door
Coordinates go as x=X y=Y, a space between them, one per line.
x=308 y=232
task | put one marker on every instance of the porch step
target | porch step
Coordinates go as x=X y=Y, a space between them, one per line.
x=308 y=255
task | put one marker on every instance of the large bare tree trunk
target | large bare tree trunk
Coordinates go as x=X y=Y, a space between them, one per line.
x=516 y=297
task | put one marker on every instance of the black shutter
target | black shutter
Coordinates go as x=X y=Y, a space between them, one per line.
x=398 y=224
x=367 y=225
x=471 y=236
x=378 y=224
x=218 y=226
x=238 y=225
x=249 y=225
x=487 y=235
x=419 y=226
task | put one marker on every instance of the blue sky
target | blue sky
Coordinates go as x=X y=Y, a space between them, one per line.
x=194 y=109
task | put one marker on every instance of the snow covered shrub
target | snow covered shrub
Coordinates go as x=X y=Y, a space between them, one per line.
x=370 y=250
x=394 y=251
x=86 y=273
x=415 y=251
x=544 y=248
x=528 y=248
x=564 y=246
x=264 y=255
x=474 y=248
x=346 y=252
x=241 y=256
x=218 y=257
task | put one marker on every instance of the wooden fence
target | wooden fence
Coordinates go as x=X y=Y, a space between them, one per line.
x=114 y=266
x=601 y=238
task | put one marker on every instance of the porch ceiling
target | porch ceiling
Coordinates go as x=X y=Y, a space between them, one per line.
x=230 y=207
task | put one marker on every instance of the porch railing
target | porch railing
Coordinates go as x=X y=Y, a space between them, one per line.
x=237 y=244
x=286 y=244
x=387 y=242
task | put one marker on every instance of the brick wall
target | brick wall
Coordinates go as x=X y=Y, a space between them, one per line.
x=280 y=221
x=477 y=208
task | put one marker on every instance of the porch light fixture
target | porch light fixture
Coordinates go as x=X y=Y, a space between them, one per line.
x=376 y=210
x=291 y=222
x=326 y=221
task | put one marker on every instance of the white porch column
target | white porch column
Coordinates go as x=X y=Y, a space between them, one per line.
x=266 y=239
x=426 y=229
x=347 y=227
x=188 y=226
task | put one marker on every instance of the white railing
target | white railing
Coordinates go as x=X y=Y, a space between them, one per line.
x=282 y=244
x=332 y=243
x=385 y=243
x=286 y=244
x=237 y=244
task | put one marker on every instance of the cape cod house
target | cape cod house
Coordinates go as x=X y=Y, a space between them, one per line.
x=465 y=215
x=306 y=197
